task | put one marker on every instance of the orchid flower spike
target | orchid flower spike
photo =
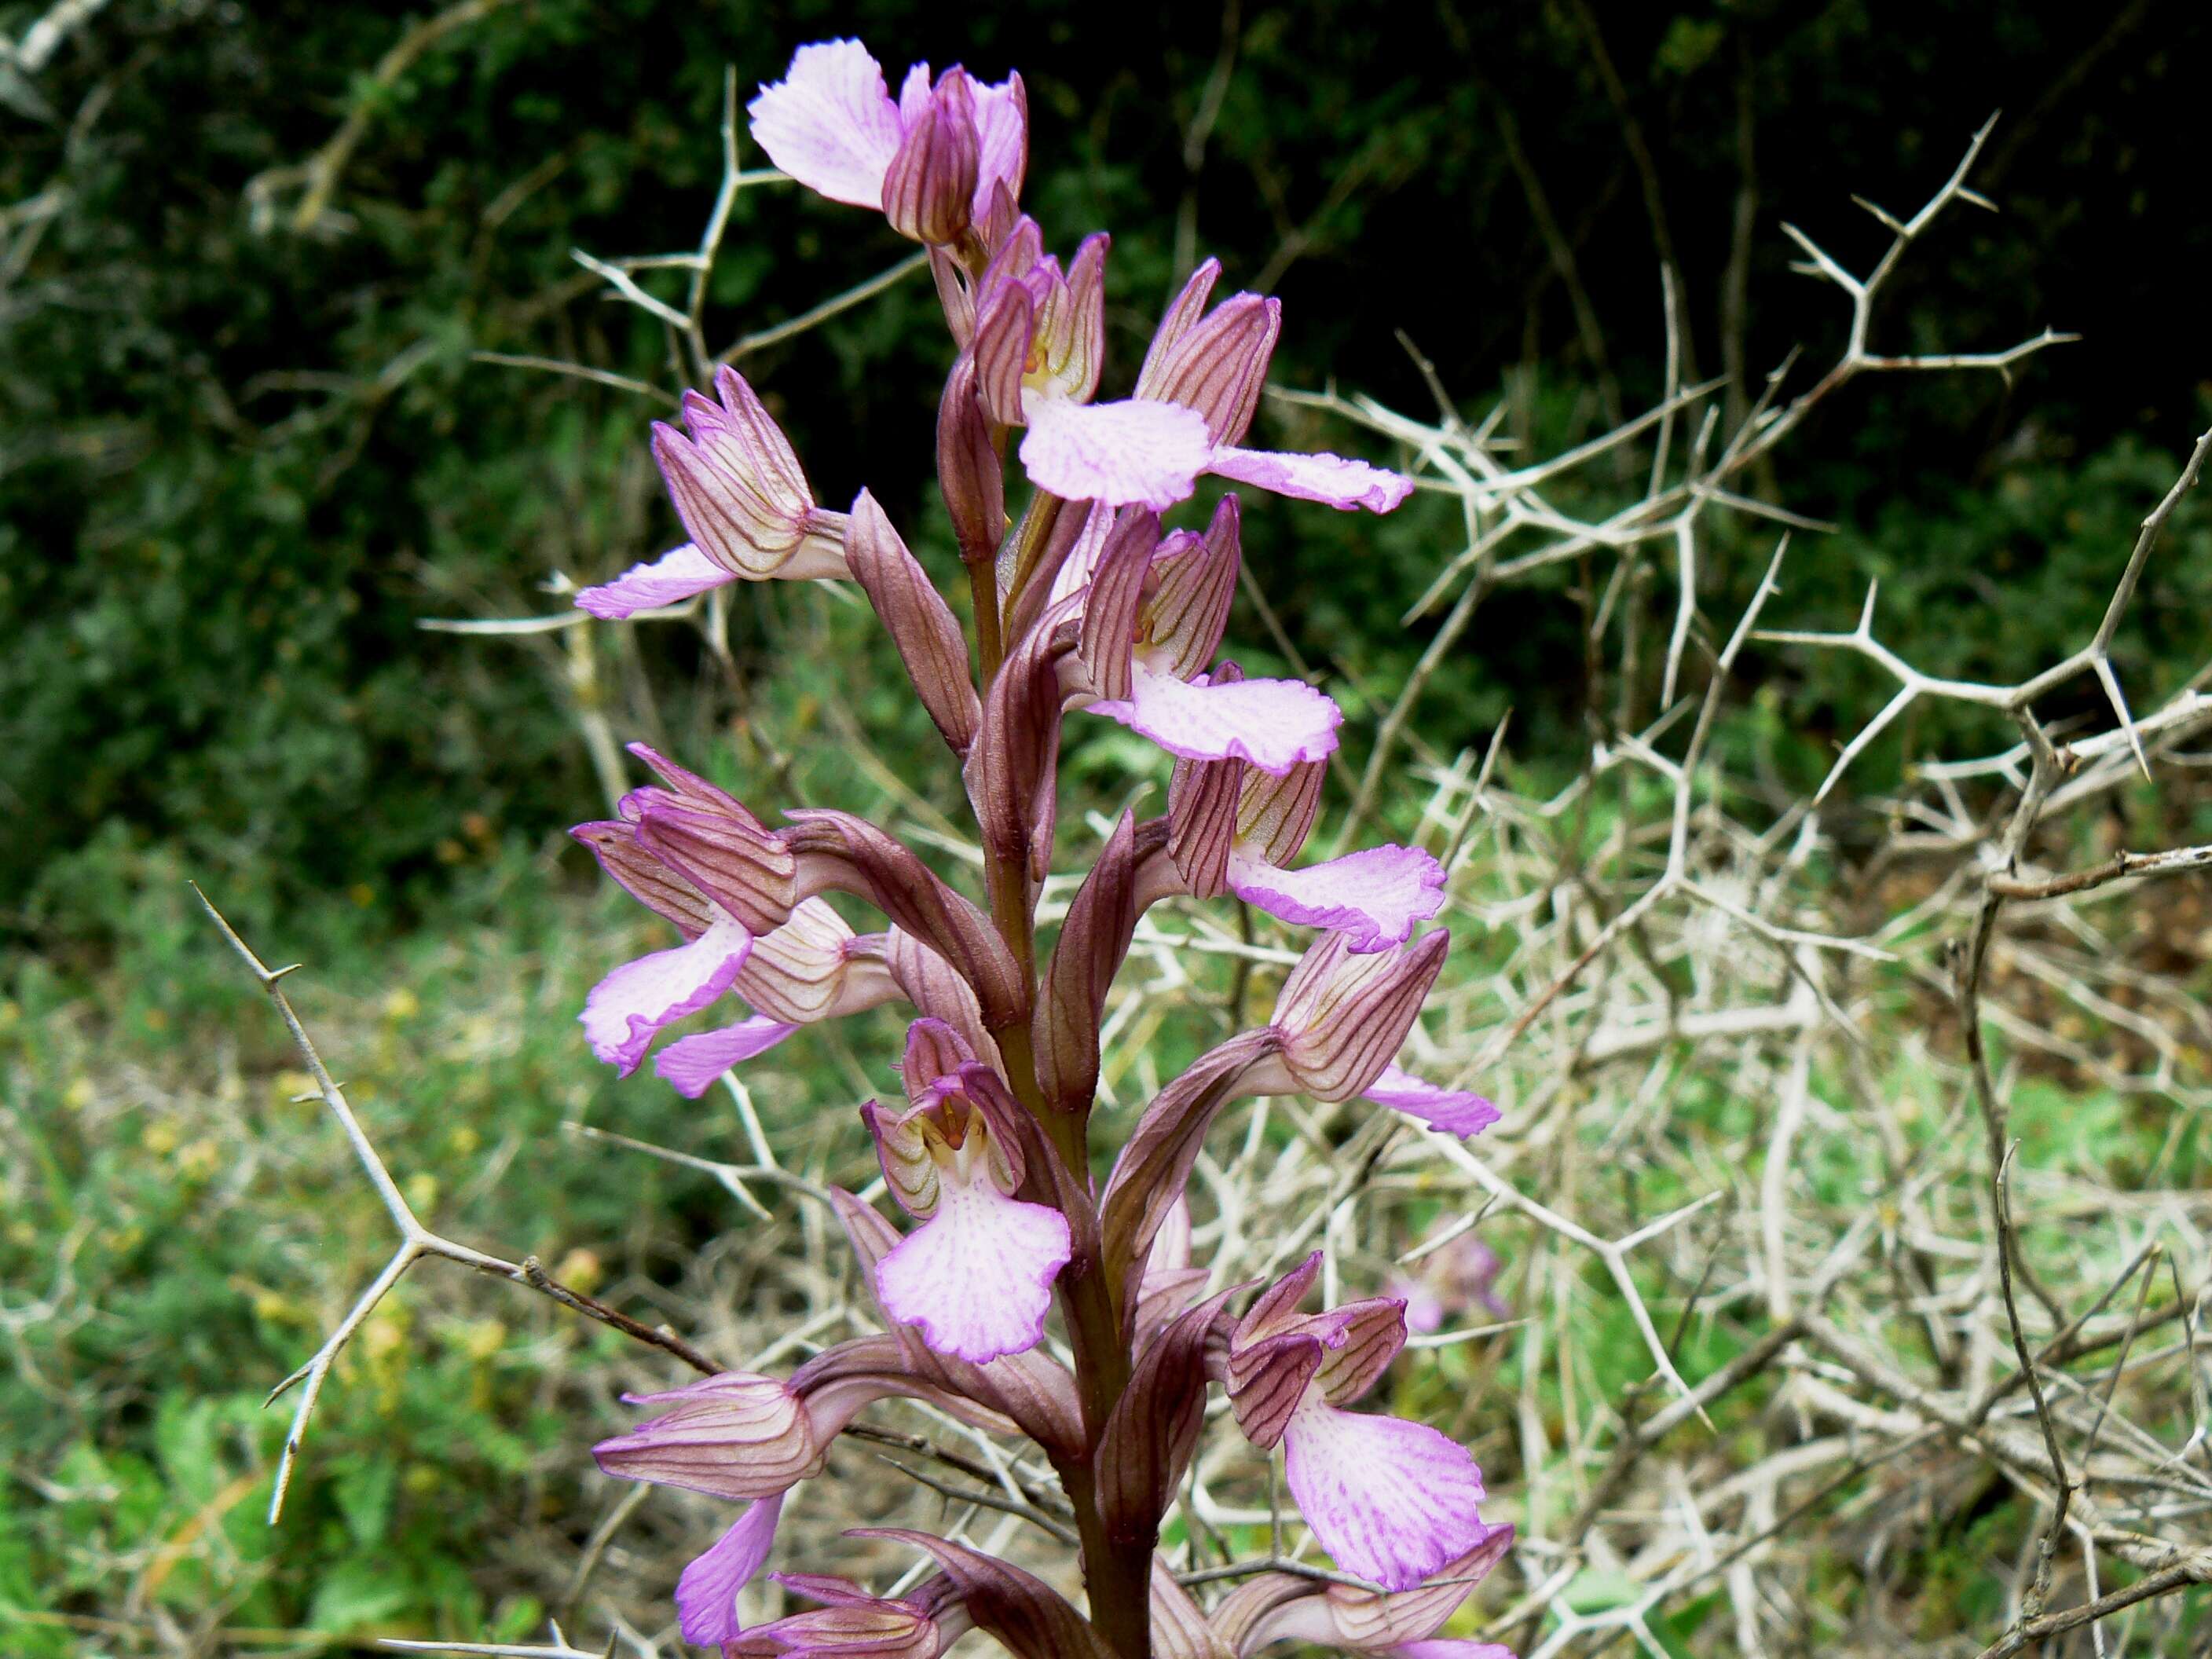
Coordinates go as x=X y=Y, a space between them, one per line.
x=977 y=1276
x=1085 y=602
x=1392 y=1500
x=934 y=162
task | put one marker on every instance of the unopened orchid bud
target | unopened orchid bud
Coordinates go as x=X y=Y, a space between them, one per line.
x=921 y=625
x=735 y=1435
x=929 y=188
x=851 y=1623
x=969 y=472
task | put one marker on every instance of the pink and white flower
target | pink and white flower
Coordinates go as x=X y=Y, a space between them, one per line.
x=975 y=1278
x=1236 y=828
x=719 y=920
x=743 y=500
x=832 y=124
x=1178 y=605
x=1392 y=1500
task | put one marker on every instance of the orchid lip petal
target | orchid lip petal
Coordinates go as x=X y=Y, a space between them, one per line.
x=1271 y=724
x=830 y=122
x=976 y=1277
x=1329 y=479
x=1375 y=897
x=1456 y=1111
x=706 y=1593
x=692 y=1065
x=1120 y=454
x=1392 y=1500
x=628 y=1008
x=681 y=573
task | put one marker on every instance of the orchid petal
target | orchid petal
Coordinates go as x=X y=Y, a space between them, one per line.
x=1456 y=1111
x=677 y=576
x=830 y=122
x=1271 y=724
x=628 y=1008
x=1373 y=897
x=1391 y=1500
x=976 y=1277
x=707 y=1594
x=1122 y=455
x=1002 y=132
x=692 y=1065
x=1330 y=479
x=1452 y=1647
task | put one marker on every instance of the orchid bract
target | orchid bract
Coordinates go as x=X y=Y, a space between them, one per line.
x=1016 y=1291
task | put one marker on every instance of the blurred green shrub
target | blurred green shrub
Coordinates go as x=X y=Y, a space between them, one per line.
x=242 y=457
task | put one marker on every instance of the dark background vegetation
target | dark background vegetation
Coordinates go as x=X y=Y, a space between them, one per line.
x=242 y=458
x=245 y=451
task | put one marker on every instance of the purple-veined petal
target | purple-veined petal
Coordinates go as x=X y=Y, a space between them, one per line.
x=692 y=1065
x=830 y=122
x=1373 y=897
x=1327 y=478
x=1271 y=724
x=1456 y=1111
x=1123 y=454
x=1002 y=132
x=707 y=1594
x=976 y=1277
x=675 y=576
x=628 y=1008
x=1452 y=1647
x=1391 y=1500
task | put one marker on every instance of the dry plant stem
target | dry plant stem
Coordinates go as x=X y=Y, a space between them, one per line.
x=416 y=1241
x=2047 y=1545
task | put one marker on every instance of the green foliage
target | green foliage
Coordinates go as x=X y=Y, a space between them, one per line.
x=249 y=449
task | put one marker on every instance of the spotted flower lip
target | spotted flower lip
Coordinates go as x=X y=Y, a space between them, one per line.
x=832 y=124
